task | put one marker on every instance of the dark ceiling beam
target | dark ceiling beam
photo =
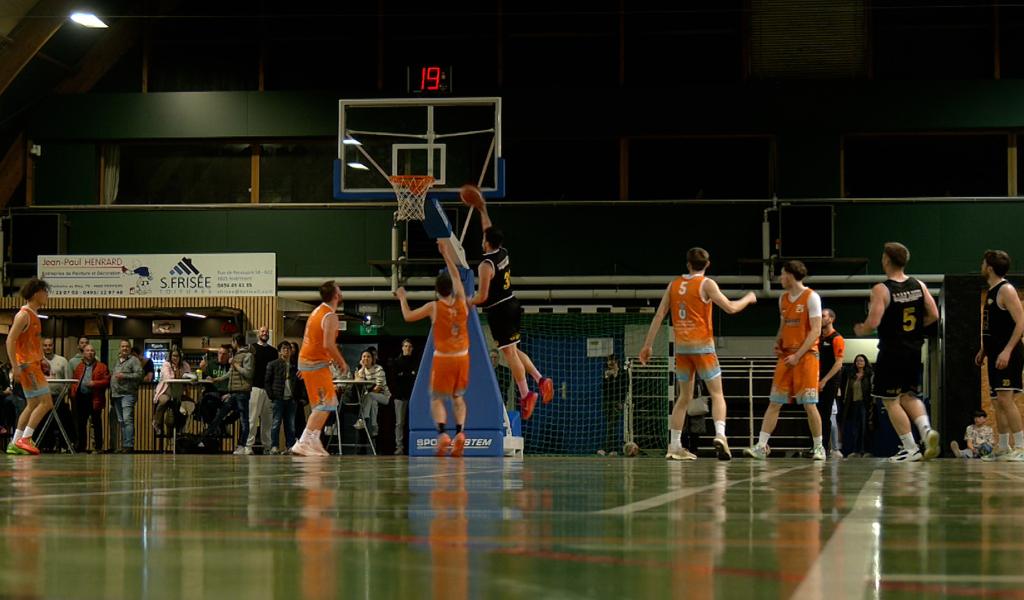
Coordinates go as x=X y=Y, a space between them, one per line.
x=103 y=55
x=29 y=37
x=12 y=170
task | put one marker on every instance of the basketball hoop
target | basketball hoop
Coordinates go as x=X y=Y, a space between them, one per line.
x=411 y=191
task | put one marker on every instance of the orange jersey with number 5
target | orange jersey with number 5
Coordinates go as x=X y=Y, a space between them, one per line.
x=691 y=316
x=451 y=337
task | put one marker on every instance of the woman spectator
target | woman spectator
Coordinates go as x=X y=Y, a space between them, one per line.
x=857 y=412
x=168 y=395
x=379 y=394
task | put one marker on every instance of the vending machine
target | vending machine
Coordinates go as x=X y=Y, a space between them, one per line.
x=157 y=351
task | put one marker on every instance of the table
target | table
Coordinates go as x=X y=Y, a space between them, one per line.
x=360 y=389
x=53 y=413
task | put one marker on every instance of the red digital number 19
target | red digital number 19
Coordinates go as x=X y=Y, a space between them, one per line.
x=430 y=79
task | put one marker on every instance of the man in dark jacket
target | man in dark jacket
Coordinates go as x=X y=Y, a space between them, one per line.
x=404 y=376
x=282 y=385
x=90 y=397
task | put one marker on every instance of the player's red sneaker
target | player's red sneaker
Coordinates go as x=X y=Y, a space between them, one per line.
x=526 y=404
x=547 y=389
x=444 y=442
x=27 y=445
x=458 y=445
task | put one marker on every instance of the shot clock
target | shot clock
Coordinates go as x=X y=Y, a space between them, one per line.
x=429 y=80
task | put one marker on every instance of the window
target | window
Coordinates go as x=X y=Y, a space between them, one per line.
x=298 y=171
x=928 y=39
x=907 y=166
x=715 y=168
x=563 y=169
x=185 y=173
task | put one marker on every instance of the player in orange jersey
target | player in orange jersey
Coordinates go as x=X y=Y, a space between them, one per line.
x=796 y=345
x=319 y=350
x=689 y=299
x=25 y=346
x=449 y=371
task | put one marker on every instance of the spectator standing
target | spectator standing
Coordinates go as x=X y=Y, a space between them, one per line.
x=281 y=384
x=259 y=402
x=831 y=347
x=11 y=403
x=59 y=368
x=403 y=369
x=89 y=398
x=148 y=369
x=125 y=378
x=83 y=341
x=857 y=413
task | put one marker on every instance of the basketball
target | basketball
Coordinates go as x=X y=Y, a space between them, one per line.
x=630 y=449
x=471 y=196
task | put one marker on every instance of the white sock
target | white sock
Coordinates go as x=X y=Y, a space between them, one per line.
x=28 y=433
x=307 y=436
x=676 y=437
x=817 y=441
x=1018 y=440
x=18 y=434
x=762 y=439
x=923 y=425
x=720 y=428
x=1004 y=440
x=908 y=442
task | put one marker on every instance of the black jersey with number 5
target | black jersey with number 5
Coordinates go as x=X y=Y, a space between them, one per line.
x=500 y=288
x=902 y=326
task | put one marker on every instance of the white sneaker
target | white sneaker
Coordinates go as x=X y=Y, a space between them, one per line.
x=818 y=453
x=359 y=425
x=247 y=451
x=931 y=444
x=904 y=455
x=1015 y=455
x=274 y=450
x=836 y=454
x=722 y=448
x=239 y=451
x=303 y=449
x=318 y=448
x=677 y=452
x=758 y=452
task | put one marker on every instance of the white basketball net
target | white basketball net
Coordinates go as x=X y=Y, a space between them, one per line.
x=411 y=191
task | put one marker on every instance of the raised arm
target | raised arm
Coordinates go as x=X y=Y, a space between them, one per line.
x=652 y=331
x=330 y=340
x=876 y=308
x=713 y=293
x=448 y=253
x=427 y=310
x=485 y=219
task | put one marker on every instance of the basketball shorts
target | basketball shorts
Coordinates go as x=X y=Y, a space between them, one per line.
x=320 y=389
x=799 y=382
x=504 y=321
x=32 y=380
x=1009 y=379
x=449 y=376
x=897 y=372
x=703 y=365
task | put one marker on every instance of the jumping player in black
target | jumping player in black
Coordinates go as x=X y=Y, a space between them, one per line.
x=496 y=296
x=901 y=307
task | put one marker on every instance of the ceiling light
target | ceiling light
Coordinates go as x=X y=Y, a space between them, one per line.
x=359 y=165
x=116 y=316
x=195 y=315
x=351 y=141
x=88 y=20
x=43 y=316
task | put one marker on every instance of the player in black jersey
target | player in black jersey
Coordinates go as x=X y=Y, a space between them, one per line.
x=496 y=296
x=900 y=308
x=1002 y=325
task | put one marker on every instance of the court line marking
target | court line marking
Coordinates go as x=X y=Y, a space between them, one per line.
x=848 y=559
x=1011 y=476
x=160 y=490
x=678 y=494
x=944 y=578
